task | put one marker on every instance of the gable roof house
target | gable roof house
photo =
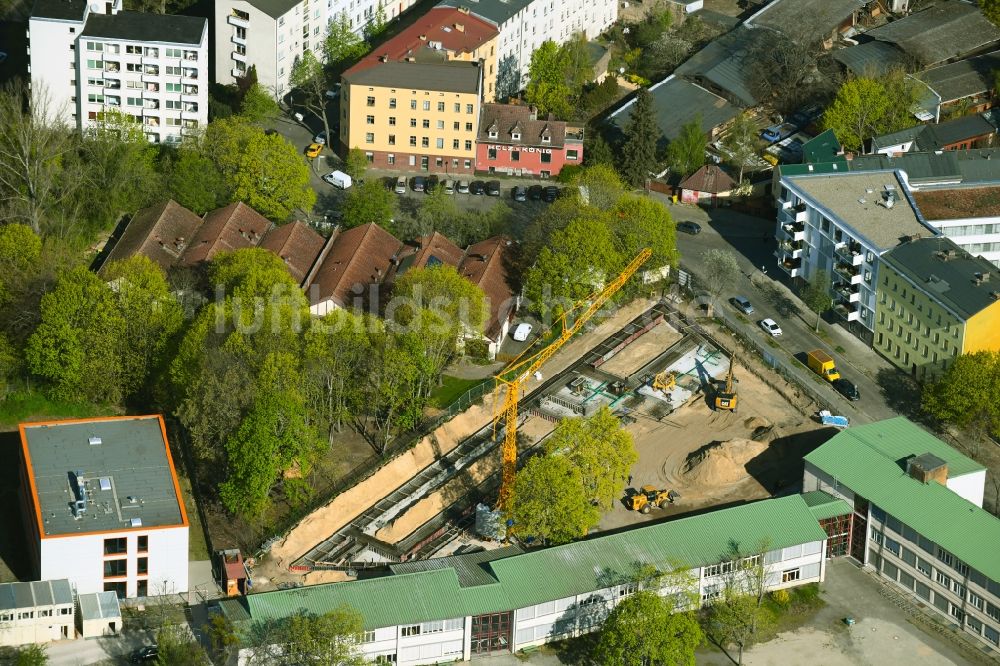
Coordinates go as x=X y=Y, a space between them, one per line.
x=974 y=131
x=297 y=245
x=233 y=227
x=485 y=265
x=357 y=262
x=968 y=81
x=708 y=182
x=808 y=18
x=161 y=232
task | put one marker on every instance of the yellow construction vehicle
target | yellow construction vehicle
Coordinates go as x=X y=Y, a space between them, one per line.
x=665 y=381
x=727 y=398
x=649 y=497
x=512 y=378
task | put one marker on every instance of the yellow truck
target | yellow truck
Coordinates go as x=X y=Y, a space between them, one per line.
x=822 y=364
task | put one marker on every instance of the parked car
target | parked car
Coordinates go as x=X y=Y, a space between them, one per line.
x=314 y=150
x=550 y=194
x=477 y=187
x=144 y=655
x=320 y=138
x=449 y=186
x=519 y=193
x=433 y=182
x=338 y=179
x=742 y=304
x=493 y=188
x=463 y=187
x=334 y=93
x=847 y=389
x=535 y=192
x=419 y=183
x=692 y=228
x=401 y=185
x=771 y=327
x=522 y=331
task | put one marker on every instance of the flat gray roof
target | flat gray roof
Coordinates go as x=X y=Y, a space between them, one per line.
x=451 y=76
x=964 y=78
x=493 y=11
x=677 y=102
x=36 y=593
x=840 y=193
x=812 y=18
x=128 y=478
x=99 y=606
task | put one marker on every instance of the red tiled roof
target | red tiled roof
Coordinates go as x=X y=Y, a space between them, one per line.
x=485 y=267
x=160 y=232
x=440 y=25
x=297 y=245
x=358 y=256
x=231 y=228
x=709 y=178
x=503 y=118
x=435 y=248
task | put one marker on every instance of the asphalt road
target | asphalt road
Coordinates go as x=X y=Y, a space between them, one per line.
x=883 y=388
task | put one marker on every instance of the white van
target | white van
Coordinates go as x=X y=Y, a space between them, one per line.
x=449 y=186
x=338 y=179
x=401 y=185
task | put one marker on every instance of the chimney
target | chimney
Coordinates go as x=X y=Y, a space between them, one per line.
x=927 y=467
x=982 y=277
x=423 y=38
x=532 y=113
x=460 y=27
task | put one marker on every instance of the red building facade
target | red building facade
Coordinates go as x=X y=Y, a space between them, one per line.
x=512 y=140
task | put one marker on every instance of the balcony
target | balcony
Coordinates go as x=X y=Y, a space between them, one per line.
x=846 y=292
x=795 y=231
x=791 y=266
x=190 y=124
x=791 y=248
x=237 y=72
x=191 y=56
x=848 y=272
x=238 y=40
x=150 y=104
x=113 y=67
x=151 y=70
x=239 y=21
x=190 y=107
x=784 y=205
x=801 y=213
x=112 y=84
x=239 y=57
x=846 y=312
x=152 y=87
x=189 y=74
x=851 y=253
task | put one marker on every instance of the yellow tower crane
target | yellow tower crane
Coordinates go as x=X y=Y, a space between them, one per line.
x=512 y=377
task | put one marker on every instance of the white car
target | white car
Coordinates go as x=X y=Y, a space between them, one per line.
x=771 y=327
x=522 y=332
x=320 y=138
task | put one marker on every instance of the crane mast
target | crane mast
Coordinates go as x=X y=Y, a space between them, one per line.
x=513 y=377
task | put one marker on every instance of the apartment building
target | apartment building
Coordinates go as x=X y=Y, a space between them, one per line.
x=513 y=140
x=842 y=224
x=36 y=612
x=420 y=114
x=935 y=302
x=524 y=24
x=505 y=600
x=917 y=520
x=92 y=58
x=969 y=216
x=102 y=506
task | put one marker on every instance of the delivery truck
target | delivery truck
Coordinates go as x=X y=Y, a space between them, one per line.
x=822 y=364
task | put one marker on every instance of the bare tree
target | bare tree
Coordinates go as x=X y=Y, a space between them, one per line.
x=738 y=616
x=35 y=184
x=309 y=77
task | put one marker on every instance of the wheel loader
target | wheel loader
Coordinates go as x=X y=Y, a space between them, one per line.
x=649 y=497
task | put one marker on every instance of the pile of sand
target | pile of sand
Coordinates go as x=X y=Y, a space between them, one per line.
x=722 y=463
x=755 y=422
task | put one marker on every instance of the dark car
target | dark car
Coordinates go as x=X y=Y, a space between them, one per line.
x=477 y=187
x=692 y=228
x=519 y=193
x=846 y=389
x=493 y=188
x=432 y=184
x=535 y=192
x=550 y=194
x=419 y=183
x=144 y=655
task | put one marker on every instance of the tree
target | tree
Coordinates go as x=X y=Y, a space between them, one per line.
x=258 y=105
x=777 y=70
x=508 y=77
x=356 y=164
x=603 y=185
x=991 y=10
x=391 y=392
x=547 y=88
x=644 y=630
x=597 y=98
x=309 y=639
x=222 y=637
x=686 y=152
x=665 y=54
x=309 y=77
x=869 y=106
x=550 y=502
x=376 y=26
x=336 y=352
x=597 y=151
x=739 y=616
x=578 y=69
x=721 y=271
x=641 y=137
x=816 y=295
x=600 y=449
x=32 y=655
x=342 y=45
x=36 y=188
x=20 y=251
x=742 y=142
x=640 y=222
x=369 y=203
x=195 y=182
x=177 y=647
x=965 y=394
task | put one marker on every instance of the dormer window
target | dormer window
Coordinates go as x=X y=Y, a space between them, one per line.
x=493 y=133
x=546 y=138
x=515 y=135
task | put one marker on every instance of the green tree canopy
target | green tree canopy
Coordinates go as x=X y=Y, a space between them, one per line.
x=816 y=295
x=686 y=152
x=742 y=142
x=644 y=630
x=310 y=640
x=870 y=106
x=600 y=449
x=369 y=203
x=356 y=164
x=603 y=184
x=550 y=502
x=965 y=394
x=642 y=135
x=20 y=251
x=258 y=105
x=547 y=88
x=721 y=270
x=991 y=10
x=342 y=45
x=461 y=303
x=195 y=182
x=640 y=222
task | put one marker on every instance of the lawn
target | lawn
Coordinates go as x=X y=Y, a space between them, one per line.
x=24 y=406
x=451 y=389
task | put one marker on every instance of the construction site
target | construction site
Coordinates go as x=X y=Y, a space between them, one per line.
x=659 y=372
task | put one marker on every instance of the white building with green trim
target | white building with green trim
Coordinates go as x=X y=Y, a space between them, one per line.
x=449 y=609
x=918 y=519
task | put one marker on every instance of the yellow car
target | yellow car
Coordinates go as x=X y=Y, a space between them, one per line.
x=314 y=150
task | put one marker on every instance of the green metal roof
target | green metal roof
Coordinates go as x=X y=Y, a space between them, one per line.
x=869 y=460
x=471 y=568
x=553 y=573
x=824 y=505
x=824 y=147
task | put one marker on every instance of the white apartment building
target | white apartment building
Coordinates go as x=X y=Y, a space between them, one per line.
x=90 y=58
x=36 y=612
x=102 y=506
x=842 y=223
x=525 y=24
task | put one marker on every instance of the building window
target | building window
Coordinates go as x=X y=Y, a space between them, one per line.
x=944 y=580
x=25 y=615
x=426 y=124
x=425 y=142
x=45 y=613
x=142 y=588
x=790 y=575
x=413 y=122
x=944 y=556
x=546 y=158
x=976 y=600
x=370 y=157
x=390 y=159
x=369 y=120
x=368 y=637
x=458 y=107
x=412 y=630
x=392 y=102
x=142 y=565
x=515 y=156
x=427 y=105
x=469 y=108
x=440 y=143
x=143 y=544
x=385 y=658
x=115 y=568
x=957 y=612
x=392 y=139
x=65 y=611
x=491 y=154
x=454 y=144
x=369 y=137
x=572 y=155
x=392 y=121
x=516 y=136
x=413 y=104
x=371 y=101
x=468 y=164
x=440 y=124
x=413 y=141
x=118 y=587
x=468 y=127
x=441 y=106
x=546 y=138
x=115 y=546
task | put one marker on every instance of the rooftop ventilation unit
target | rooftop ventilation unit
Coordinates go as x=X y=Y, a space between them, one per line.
x=78 y=484
x=135 y=522
x=105 y=483
x=95 y=441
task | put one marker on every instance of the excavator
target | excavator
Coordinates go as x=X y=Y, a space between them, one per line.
x=727 y=398
x=510 y=381
x=649 y=497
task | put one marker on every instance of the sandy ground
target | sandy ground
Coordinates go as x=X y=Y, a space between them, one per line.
x=642 y=350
